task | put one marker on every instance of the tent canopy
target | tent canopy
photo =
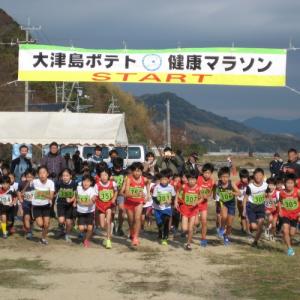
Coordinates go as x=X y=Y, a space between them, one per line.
x=62 y=127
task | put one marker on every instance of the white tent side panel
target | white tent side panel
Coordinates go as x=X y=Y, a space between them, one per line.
x=64 y=128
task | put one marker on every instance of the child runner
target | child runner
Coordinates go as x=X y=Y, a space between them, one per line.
x=134 y=192
x=271 y=208
x=66 y=194
x=289 y=210
x=187 y=202
x=25 y=195
x=206 y=184
x=7 y=200
x=42 y=201
x=14 y=212
x=118 y=175
x=85 y=201
x=107 y=191
x=175 y=219
x=254 y=203
x=225 y=193
x=163 y=195
x=242 y=186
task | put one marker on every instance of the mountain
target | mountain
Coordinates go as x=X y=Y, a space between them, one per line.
x=269 y=125
x=211 y=130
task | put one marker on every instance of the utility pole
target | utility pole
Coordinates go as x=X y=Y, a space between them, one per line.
x=113 y=107
x=27 y=30
x=168 y=124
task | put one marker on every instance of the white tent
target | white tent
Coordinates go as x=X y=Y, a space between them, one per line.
x=64 y=128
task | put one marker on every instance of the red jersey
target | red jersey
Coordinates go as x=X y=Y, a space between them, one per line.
x=290 y=204
x=271 y=202
x=176 y=184
x=206 y=186
x=105 y=193
x=190 y=195
x=135 y=189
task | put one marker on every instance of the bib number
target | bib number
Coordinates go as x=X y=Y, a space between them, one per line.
x=205 y=192
x=259 y=199
x=290 y=204
x=5 y=199
x=135 y=192
x=190 y=199
x=66 y=193
x=28 y=196
x=106 y=195
x=41 y=195
x=83 y=198
x=164 y=197
x=225 y=196
x=119 y=181
x=269 y=203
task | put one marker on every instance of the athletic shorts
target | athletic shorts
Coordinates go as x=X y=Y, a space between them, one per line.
x=203 y=206
x=5 y=209
x=102 y=207
x=255 y=212
x=230 y=205
x=85 y=219
x=161 y=214
x=65 y=210
x=41 y=211
x=131 y=205
x=27 y=208
x=120 y=200
x=291 y=222
x=188 y=210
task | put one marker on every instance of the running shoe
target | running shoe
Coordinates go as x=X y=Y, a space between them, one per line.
x=226 y=240
x=203 y=243
x=221 y=233
x=44 y=242
x=290 y=252
x=86 y=244
x=187 y=247
x=108 y=244
x=164 y=242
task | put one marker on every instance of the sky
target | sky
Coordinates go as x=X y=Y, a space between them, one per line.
x=185 y=23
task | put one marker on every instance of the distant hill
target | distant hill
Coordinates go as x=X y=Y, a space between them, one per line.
x=213 y=131
x=269 y=125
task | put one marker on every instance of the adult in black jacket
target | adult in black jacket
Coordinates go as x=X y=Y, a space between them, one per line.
x=275 y=165
x=21 y=163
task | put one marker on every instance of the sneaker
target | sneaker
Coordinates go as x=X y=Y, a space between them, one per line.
x=254 y=244
x=164 y=242
x=68 y=239
x=187 y=247
x=221 y=233
x=120 y=232
x=272 y=238
x=226 y=240
x=135 y=242
x=86 y=244
x=108 y=244
x=44 y=242
x=203 y=243
x=97 y=231
x=29 y=236
x=267 y=234
x=5 y=235
x=80 y=235
x=104 y=242
x=290 y=252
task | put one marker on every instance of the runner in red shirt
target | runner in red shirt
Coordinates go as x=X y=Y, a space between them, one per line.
x=206 y=184
x=289 y=210
x=107 y=194
x=135 y=198
x=188 y=206
x=175 y=219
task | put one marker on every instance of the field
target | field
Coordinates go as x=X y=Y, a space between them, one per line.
x=62 y=271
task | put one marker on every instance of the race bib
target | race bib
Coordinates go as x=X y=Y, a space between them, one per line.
x=259 y=199
x=83 y=198
x=135 y=191
x=190 y=199
x=66 y=193
x=28 y=195
x=5 y=199
x=41 y=195
x=164 y=197
x=269 y=204
x=106 y=195
x=119 y=181
x=205 y=192
x=290 y=204
x=225 y=196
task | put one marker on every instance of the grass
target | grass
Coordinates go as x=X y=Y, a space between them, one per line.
x=19 y=273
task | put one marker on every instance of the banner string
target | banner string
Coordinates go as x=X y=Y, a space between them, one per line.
x=292 y=89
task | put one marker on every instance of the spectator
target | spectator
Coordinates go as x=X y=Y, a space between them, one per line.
x=191 y=164
x=149 y=163
x=275 y=165
x=292 y=166
x=77 y=160
x=112 y=154
x=69 y=162
x=95 y=159
x=21 y=163
x=169 y=160
x=54 y=162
